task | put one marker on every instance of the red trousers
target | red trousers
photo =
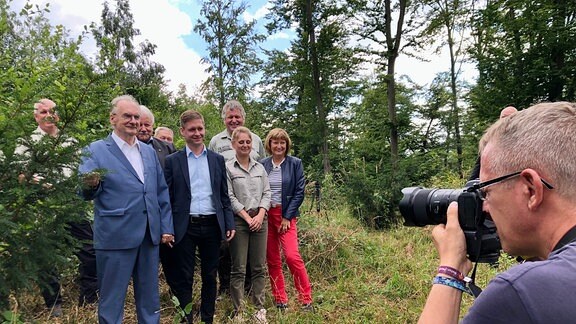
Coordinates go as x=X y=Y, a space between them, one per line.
x=288 y=242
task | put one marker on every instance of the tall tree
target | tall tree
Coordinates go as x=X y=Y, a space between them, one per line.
x=232 y=58
x=388 y=37
x=448 y=27
x=311 y=84
x=367 y=168
x=39 y=60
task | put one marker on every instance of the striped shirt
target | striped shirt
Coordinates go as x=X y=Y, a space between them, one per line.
x=275 y=179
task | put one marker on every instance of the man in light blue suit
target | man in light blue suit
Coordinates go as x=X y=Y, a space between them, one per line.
x=132 y=215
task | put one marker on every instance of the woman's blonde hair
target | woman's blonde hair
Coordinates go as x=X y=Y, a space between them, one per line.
x=240 y=130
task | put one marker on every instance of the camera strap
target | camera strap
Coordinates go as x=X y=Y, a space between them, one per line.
x=472 y=283
x=568 y=238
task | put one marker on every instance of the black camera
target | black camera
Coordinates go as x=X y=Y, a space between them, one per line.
x=421 y=207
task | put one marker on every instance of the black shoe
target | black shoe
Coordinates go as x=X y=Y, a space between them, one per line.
x=188 y=319
x=282 y=307
x=308 y=307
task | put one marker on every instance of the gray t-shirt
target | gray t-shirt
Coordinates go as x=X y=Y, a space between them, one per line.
x=532 y=292
x=221 y=143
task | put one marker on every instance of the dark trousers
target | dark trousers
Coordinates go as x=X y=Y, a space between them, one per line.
x=205 y=234
x=170 y=268
x=87 y=277
x=51 y=288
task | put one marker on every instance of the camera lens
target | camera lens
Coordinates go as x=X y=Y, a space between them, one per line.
x=421 y=207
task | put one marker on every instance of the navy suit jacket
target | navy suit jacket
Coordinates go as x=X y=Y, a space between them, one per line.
x=124 y=207
x=293 y=183
x=178 y=180
x=163 y=149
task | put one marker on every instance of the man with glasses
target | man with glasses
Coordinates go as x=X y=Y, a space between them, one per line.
x=528 y=184
x=132 y=215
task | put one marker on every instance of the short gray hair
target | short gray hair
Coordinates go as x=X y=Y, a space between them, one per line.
x=233 y=105
x=145 y=111
x=116 y=100
x=44 y=102
x=161 y=128
x=543 y=138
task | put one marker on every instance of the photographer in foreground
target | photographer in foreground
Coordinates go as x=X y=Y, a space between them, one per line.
x=528 y=184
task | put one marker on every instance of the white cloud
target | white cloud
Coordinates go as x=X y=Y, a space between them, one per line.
x=280 y=35
x=159 y=21
x=260 y=12
x=166 y=26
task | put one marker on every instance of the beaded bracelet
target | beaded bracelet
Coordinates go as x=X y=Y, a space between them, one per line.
x=454 y=273
x=451 y=282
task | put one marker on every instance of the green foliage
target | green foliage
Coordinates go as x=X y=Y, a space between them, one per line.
x=128 y=65
x=313 y=114
x=38 y=192
x=524 y=54
x=366 y=171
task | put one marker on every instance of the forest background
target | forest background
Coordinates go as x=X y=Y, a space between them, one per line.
x=362 y=131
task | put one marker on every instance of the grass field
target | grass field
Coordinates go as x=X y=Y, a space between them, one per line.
x=358 y=276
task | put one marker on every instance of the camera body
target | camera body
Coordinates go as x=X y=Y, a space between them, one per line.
x=421 y=207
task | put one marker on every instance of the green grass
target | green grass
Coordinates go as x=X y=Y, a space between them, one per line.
x=358 y=276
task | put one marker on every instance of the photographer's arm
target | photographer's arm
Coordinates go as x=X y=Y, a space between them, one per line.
x=443 y=303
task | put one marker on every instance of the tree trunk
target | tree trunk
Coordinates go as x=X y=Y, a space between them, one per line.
x=317 y=87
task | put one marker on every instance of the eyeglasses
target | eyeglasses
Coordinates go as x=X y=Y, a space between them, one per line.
x=128 y=116
x=482 y=193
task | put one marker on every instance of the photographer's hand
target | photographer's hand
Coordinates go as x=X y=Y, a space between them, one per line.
x=443 y=303
x=450 y=242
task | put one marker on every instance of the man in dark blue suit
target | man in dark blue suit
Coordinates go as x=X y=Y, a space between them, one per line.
x=131 y=215
x=196 y=179
x=163 y=149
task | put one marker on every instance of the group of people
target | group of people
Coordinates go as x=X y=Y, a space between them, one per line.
x=155 y=204
x=146 y=194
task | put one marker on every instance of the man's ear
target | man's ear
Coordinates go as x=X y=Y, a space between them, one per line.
x=534 y=188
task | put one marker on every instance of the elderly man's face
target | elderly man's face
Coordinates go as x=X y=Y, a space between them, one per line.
x=165 y=136
x=126 y=119
x=46 y=117
x=146 y=127
x=233 y=119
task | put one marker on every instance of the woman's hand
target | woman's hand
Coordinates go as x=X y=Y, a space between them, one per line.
x=284 y=226
x=257 y=221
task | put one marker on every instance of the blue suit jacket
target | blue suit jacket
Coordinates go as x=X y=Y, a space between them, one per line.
x=178 y=180
x=124 y=207
x=293 y=183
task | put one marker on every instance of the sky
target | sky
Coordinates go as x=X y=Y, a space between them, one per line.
x=169 y=25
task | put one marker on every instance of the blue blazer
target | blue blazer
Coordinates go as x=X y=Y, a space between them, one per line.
x=178 y=180
x=124 y=207
x=292 y=184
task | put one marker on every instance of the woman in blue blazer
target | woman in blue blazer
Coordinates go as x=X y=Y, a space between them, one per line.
x=286 y=177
